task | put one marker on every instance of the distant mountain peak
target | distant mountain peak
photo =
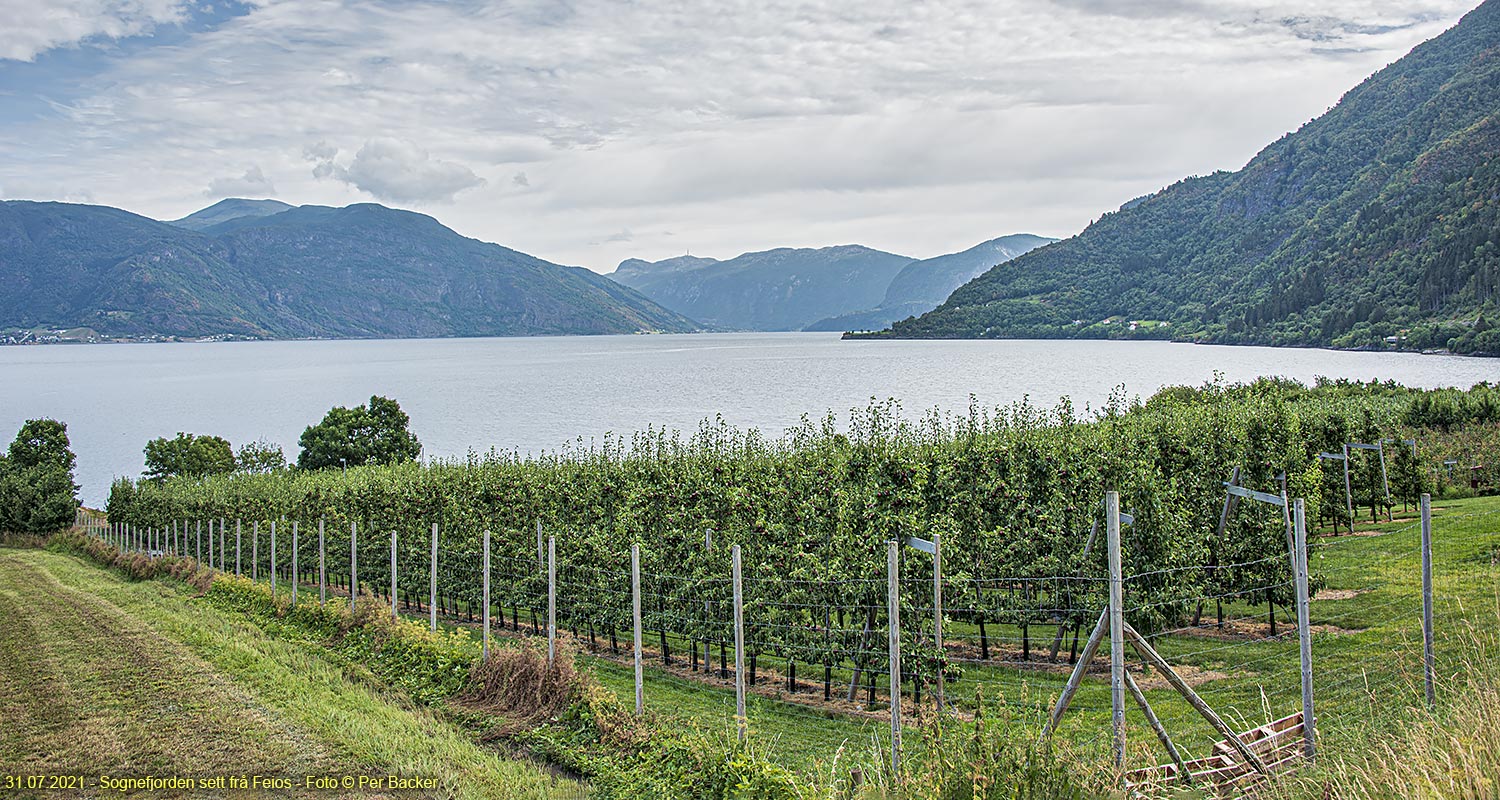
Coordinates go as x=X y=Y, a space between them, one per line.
x=638 y=266
x=230 y=208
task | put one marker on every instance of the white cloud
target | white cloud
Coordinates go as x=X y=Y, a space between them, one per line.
x=395 y=170
x=32 y=27
x=737 y=124
x=253 y=183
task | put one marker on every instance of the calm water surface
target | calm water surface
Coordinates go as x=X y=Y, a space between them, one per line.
x=539 y=393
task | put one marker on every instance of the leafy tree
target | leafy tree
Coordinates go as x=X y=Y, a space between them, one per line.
x=189 y=456
x=260 y=457
x=368 y=434
x=37 y=492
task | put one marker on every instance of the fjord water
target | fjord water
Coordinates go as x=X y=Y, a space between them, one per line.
x=534 y=394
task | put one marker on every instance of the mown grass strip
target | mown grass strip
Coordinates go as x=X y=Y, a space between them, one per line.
x=202 y=692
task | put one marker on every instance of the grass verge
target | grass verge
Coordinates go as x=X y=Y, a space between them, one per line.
x=103 y=676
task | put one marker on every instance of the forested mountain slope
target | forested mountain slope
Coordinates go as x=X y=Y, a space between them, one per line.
x=1373 y=225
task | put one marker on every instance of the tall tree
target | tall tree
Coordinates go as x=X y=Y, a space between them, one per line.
x=260 y=457
x=189 y=456
x=37 y=492
x=375 y=433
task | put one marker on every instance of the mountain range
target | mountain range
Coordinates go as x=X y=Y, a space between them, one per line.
x=847 y=287
x=775 y=290
x=1375 y=225
x=923 y=285
x=264 y=269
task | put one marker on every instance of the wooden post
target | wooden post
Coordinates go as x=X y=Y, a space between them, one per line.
x=551 y=599
x=893 y=624
x=1149 y=653
x=1161 y=732
x=1084 y=659
x=222 y=566
x=432 y=581
x=322 y=567
x=353 y=564
x=937 y=612
x=541 y=553
x=1304 y=628
x=739 y=644
x=198 y=550
x=1348 y=490
x=393 y=575
x=273 y=558
x=238 y=542
x=1385 y=482
x=295 y=576
x=255 y=551
x=1428 y=663
x=486 y=597
x=635 y=600
x=1116 y=625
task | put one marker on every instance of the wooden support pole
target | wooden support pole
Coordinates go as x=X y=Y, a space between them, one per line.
x=739 y=644
x=296 y=579
x=353 y=563
x=551 y=600
x=1116 y=626
x=1428 y=662
x=273 y=558
x=893 y=624
x=1348 y=490
x=1304 y=628
x=937 y=613
x=635 y=600
x=1084 y=659
x=394 y=614
x=255 y=551
x=1385 y=481
x=1161 y=732
x=223 y=567
x=322 y=567
x=486 y=597
x=432 y=581
x=1154 y=658
x=198 y=550
x=238 y=542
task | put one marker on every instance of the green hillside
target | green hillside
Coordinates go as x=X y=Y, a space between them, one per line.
x=361 y=271
x=1374 y=225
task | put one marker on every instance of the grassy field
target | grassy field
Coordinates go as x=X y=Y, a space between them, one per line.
x=104 y=677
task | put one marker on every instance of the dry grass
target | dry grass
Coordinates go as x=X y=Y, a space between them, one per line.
x=519 y=685
x=1451 y=753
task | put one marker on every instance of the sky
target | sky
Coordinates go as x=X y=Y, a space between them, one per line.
x=590 y=131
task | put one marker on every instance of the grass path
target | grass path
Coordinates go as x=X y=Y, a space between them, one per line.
x=103 y=677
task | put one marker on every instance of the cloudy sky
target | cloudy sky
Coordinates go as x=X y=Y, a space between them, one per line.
x=588 y=131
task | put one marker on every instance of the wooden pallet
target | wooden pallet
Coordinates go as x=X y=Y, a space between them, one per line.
x=1226 y=773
